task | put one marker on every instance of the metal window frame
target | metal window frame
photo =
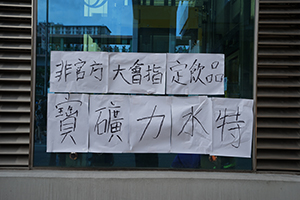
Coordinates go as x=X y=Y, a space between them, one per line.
x=33 y=79
x=33 y=84
x=254 y=138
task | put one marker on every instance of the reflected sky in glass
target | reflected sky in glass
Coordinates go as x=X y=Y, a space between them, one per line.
x=117 y=15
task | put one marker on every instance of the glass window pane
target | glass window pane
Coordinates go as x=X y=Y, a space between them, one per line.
x=153 y=26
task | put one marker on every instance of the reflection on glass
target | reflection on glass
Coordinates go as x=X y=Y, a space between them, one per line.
x=158 y=26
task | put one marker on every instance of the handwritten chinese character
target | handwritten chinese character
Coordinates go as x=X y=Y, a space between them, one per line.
x=231 y=123
x=119 y=71
x=95 y=67
x=112 y=124
x=80 y=74
x=195 y=71
x=64 y=68
x=192 y=117
x=136 y=72
x=67 y=113
x=157 y=76
x=178 y=68
x=218 y=77
x=149 y=122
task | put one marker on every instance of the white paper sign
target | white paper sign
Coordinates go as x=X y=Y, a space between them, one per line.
x=191 y=125
x=150 y=124
x=67 y=129
x=145 y=124
x=232 y=127
x=140 y=73
x=109 y=123
x=195 y=74
x=78 y=72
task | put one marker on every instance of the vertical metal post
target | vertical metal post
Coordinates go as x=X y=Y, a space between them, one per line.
x=256 y=19
x=33 y=80
x=46 y=52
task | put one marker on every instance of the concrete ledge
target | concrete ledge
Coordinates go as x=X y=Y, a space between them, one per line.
x=52 y=184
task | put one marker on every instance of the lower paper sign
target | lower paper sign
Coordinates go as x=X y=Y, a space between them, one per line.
x=67 y=129
x=150 y=124
x=109 y=123
x=232 y=127
x=191 y=125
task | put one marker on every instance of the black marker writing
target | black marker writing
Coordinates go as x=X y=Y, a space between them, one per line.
x=150 y=120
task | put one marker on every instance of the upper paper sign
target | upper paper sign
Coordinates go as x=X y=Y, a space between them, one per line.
x=195 y=74
x=139 y=73
x=78 y=72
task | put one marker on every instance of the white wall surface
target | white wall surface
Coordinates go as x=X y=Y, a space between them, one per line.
x=140 y=185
